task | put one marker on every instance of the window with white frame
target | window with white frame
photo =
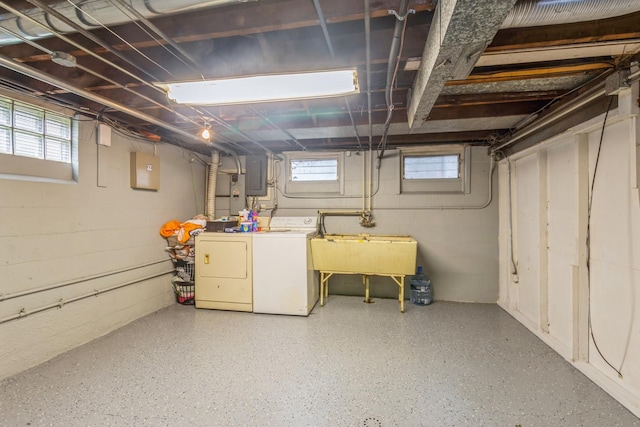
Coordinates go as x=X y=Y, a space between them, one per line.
x=314 y=172
x=434 y=169
x=436 y=166
x=30 y=131
x=314 y=169
x=36 y=143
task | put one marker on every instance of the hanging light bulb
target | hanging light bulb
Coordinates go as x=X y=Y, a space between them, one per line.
x=206 y=133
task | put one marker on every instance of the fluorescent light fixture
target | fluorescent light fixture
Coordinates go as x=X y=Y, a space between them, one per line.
x=273 y=87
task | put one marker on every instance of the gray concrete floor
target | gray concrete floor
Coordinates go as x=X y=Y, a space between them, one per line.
x=347 y=364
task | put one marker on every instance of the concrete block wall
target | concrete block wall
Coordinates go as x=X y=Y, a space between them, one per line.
x=457 y=236
x=54 y=233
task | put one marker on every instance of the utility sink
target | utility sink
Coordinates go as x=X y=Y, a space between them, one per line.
x=364 y=254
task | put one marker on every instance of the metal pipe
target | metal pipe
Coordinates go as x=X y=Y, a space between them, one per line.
x=4 y=297
x=367 y=31
x=124 y=87
x=269 y=122
x=597 y=92
x=327 y=38
x=323 y=24
x=238 y=131
x=211 y=187
x=462 y=208
x=79 y=46
x=88 y=35
x=341 y=213
x=238 y=165
x=105 y=78
x=395 y=50
x=353 y=123
x=160 y=33
x=364 y=179
x=104 y=11
x=133 y=76
x=95 y=293
x=55 y=81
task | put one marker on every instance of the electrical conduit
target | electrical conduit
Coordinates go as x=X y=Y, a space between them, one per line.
x=211 y=187
x=61 y=303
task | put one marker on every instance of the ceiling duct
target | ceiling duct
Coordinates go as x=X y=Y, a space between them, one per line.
x=460 y=31
x=534 y=13
x=92 y=14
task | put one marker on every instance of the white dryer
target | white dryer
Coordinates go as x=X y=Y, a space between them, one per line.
x=284 y=281
x=223 y=271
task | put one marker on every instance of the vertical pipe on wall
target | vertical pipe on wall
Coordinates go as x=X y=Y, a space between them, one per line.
x=367 y=31
x=364 y=180
x=211 y=187
x=582 y=297
x=543 y=235
x=513 y=204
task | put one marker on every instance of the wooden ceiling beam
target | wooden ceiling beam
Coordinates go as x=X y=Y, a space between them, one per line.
x=619 y=28
x=532 y=73
x=241 y=22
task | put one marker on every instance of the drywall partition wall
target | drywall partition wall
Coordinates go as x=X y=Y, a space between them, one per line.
x=54 y=233
x=562 y=284
x=458 y=248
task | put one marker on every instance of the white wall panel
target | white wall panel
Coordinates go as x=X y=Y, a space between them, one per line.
x=614 y=239
x=613 y=285
x=562 y=232
x=526 y=224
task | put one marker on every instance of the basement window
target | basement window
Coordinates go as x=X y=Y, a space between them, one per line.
x=435 y=169
x=35 y=143
x=314 y=172
x=438 y=166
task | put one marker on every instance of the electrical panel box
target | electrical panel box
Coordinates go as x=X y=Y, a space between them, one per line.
x=237 y=199
x=256 y=176
x=104 y=135
x=145 y=171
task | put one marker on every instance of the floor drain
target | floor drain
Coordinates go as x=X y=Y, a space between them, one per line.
x=372 y=422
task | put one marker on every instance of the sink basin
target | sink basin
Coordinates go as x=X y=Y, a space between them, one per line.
x=364 y=254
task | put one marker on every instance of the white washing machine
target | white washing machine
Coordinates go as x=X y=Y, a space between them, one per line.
x=284 y=281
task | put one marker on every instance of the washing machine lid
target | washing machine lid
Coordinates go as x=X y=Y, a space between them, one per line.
x=294 y=223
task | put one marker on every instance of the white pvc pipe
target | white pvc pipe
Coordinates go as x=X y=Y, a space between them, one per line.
x=211 y=187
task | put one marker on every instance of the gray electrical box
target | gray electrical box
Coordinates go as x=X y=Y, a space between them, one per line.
x=237 y=200
x=256 y=175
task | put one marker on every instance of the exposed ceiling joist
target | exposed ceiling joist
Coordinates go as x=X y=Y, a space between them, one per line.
x=523 y=73
x=460 y=32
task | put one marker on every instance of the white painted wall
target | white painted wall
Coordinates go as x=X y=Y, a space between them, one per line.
x=53 y=233
x=554 y=291
x=458 y=248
